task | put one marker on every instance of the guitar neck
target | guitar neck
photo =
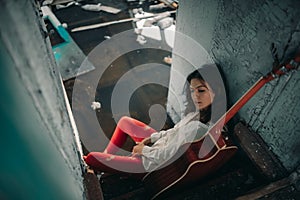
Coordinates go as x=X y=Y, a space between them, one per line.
x=280 y=70
x=276 y=72
x=215 y=130
x=246 y=97
x=293 y=64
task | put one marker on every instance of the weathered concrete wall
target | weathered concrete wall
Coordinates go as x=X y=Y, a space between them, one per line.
x=238 y=35
x=40 y=157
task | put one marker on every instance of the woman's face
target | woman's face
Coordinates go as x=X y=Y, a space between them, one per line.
x=201 y=93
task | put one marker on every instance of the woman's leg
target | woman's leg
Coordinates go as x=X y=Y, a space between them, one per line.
x=114 y=164
x=128 y=126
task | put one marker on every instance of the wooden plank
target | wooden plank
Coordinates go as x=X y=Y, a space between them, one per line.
x=258 y=152
x=286 y=188
x=268 y=189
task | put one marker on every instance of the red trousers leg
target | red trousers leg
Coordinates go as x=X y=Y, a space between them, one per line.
x=107 y=162
x=128 y=126
x=114 y=164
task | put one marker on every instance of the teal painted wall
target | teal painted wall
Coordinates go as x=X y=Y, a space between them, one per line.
x=238 y=35
x=40 y=158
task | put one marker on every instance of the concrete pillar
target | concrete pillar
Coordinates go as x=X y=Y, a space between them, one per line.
x=40 y=156
x=240 y=37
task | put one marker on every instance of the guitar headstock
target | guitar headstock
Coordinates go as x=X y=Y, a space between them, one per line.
x=292 y=64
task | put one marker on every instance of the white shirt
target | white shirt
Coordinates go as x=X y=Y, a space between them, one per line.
x=166 y=143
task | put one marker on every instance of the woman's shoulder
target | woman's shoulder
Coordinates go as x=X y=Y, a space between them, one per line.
x=191 y=115
x=183 y=119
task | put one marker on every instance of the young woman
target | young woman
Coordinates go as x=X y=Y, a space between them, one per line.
x=154 y=148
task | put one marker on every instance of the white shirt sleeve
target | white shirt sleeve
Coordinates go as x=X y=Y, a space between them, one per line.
x=155 y=136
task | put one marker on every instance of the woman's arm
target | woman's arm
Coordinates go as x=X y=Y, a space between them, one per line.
x=138 y=148
x=155 y=136
x=146 y=141
x=185 y=134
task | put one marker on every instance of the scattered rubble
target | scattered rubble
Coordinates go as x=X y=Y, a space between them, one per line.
x=99 y=7
x=95 y=105
x=141 y=39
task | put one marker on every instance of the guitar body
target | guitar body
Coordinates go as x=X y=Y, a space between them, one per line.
x=192 y=162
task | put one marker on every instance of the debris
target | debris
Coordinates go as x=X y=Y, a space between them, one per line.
x=137 y=18
x=47 y=2
x=157 y=7
x=142 y=15
x=156 y=26
x=141 y=39
x=152 y=32
x=170 y=3
x=149 y=22
x=65 y=25
x=168 y=60
x=95 y=105
x=98 y=7
x=88 y=27
x=92 y=7
x=137 y=11
x=60 y=6
x=165 y=23
x=138 y=31
x=107 y=37
x=169 y=34
x=110 y=9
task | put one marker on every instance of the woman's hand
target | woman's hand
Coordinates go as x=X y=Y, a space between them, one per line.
x=138 y=148
x=146 y=141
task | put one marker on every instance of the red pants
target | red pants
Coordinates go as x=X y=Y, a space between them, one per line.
x=108 y=162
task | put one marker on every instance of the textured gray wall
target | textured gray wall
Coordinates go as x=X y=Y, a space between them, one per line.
x=41 y=158
x=238 y=35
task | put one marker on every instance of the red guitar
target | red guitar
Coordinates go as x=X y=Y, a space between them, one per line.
x=204 y=156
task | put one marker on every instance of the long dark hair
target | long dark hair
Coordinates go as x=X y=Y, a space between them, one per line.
x=209 y=74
